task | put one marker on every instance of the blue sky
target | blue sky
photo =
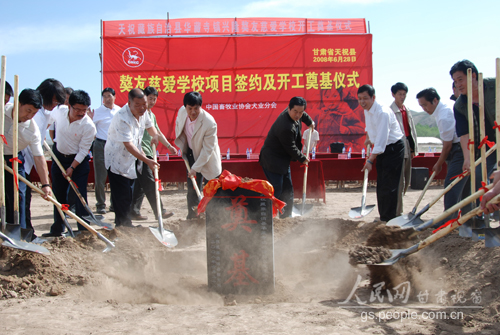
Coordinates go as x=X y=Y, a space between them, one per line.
x=415 y=42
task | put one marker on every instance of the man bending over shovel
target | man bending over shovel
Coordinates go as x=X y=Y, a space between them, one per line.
x=30 y=101
x=282 y=145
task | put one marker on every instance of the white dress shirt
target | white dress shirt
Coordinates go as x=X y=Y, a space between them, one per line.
x=189 y=130
x=28 y=134
x=102 y=119
x=124 y=127
x=445 y=120
x=41 y=119
x=382 y=127
x=73 y=138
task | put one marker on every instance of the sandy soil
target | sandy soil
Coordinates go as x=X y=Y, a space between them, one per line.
x=142 y=287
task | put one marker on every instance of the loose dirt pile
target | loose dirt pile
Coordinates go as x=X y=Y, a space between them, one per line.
x=361 y=254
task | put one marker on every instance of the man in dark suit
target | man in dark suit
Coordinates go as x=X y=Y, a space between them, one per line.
x=282 y=145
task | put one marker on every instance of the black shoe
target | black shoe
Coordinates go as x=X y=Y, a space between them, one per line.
x=191 y=216
x=101 y=211
x=51 y=234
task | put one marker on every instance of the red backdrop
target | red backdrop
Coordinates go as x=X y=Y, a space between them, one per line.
x=246 y=81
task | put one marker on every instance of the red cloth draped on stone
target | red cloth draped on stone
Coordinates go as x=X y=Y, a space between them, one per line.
x=227 y=181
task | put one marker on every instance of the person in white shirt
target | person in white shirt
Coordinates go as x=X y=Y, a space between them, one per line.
x=53 y=94
x=451 y=153
x=314 y=139
x=123 y=148
x=102 y=119
x=75 y=133
x=384 y=133
x=196 y=136
x=30 y=101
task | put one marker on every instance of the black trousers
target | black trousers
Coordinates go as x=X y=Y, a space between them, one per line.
x=192 y=197
x=122 y=189
x=283 y=189
x=60 y=187
x=144 y=185
x=389 y=169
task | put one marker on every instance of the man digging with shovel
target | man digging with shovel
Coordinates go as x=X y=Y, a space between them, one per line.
x=384 y=132
x=30 y=101
x=282 y=145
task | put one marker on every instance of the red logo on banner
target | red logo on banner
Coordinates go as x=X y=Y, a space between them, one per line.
x=133 y=57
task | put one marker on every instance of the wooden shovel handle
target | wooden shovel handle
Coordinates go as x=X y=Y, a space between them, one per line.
x=193 y=179
x=448 y=229
x=55 y=202
x=454 y=182
x=425 y=189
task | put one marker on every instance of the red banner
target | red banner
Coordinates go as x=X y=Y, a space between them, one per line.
x=232 y=26
x=246 y=81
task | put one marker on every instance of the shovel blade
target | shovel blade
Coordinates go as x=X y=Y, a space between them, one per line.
x=301 y=209
x=97 y=220
x=412 y=222
x=359 y=212
x=397 y=254
x=21 y=245
x=492 y=237
x=401 y=220
x=167 y=238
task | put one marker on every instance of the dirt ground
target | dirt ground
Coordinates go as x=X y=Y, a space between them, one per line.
x=142 y=287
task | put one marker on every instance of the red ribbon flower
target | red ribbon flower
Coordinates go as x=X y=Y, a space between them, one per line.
x=469 y=143
x=4 y=139
x=485 y=141
x=64 y=207
x=160 y=188
x=484 y=188
x=14 y=172
x=450 y=222
x=463 y=174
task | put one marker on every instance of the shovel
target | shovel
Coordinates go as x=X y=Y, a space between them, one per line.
x=492 y=235
x=109 y=245
x=398 y=221
x=305 y=208
x=397 y=254
x=97 y=220
x=359 y=212
x=416 y=220
x=466 y=229
x=193 y=180
x=166 y=237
